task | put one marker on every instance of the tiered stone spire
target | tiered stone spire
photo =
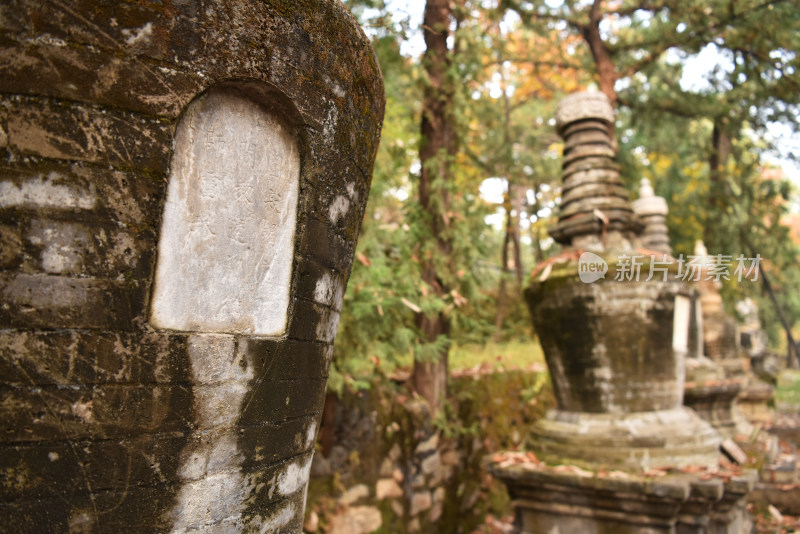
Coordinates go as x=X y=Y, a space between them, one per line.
x=594 y=203
x=652 y=211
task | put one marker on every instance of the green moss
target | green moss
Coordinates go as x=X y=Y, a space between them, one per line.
x=569 y=269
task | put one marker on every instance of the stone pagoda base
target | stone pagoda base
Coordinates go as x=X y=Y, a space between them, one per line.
x=564 y=500
x=753 y=401
x=715 y=402
x=635 y=441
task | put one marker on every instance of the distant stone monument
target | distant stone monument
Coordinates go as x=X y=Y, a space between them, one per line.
x=753 y=339
x=720 y=330
x=652 y=212
x=181 y=189
x=709 y=390
x=722 y=346
x=620 y=453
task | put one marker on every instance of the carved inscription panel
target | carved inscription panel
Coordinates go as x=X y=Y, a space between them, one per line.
x=227 y=237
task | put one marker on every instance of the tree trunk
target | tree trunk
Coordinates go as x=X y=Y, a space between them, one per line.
x=518 y=194
x=512 y=219
x=501 y=290
x=793 y=349
x=429 y=378
x=533 y=210
x=606 y=71
x=720 y=151
x=537 y=243
x=327 y=429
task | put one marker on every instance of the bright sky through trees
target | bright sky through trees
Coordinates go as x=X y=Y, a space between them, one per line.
x=698 y=73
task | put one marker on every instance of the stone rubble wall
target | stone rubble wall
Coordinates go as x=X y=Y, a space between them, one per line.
x=392 y=468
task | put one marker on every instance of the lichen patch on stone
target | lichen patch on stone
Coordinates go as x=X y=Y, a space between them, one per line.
x=339 y=208
x=294 y=477
x=135 y=37
x=45 y=192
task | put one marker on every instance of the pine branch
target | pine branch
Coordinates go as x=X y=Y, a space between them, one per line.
x=653 y=7
x=537 y=63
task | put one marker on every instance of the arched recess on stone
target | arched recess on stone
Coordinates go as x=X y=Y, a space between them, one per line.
x=225 y=274
x=227 y=239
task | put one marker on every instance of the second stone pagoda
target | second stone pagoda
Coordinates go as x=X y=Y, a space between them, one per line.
x=620 y=453
x=612 y=319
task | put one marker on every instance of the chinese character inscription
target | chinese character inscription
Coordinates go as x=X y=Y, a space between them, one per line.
x=227 y=237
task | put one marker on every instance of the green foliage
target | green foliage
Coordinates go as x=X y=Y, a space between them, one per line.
x=787 y=390
x=518 y=354
x=377 y=323
x=385 y=291
x=507 y=75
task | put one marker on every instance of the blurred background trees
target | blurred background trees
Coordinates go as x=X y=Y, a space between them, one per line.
x=467 y=175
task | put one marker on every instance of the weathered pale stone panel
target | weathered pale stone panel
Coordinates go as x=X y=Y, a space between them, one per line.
x=680 y=332
x=227 y=242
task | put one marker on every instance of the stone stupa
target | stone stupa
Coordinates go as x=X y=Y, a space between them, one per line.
x=620 y=453
x=610 y=345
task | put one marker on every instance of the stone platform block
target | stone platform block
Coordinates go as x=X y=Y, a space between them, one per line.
x=567 y=499
x=635 y=441
x=715 y=402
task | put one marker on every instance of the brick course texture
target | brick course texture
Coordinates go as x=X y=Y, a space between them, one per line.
x=108 y=423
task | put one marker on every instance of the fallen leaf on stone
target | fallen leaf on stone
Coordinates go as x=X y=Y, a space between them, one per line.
x=546 y=272
x=572 y=469
x=693 y=469
x=775 y=513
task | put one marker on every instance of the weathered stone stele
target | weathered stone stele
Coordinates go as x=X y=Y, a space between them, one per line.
x=181 y=188
x=227 y=238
